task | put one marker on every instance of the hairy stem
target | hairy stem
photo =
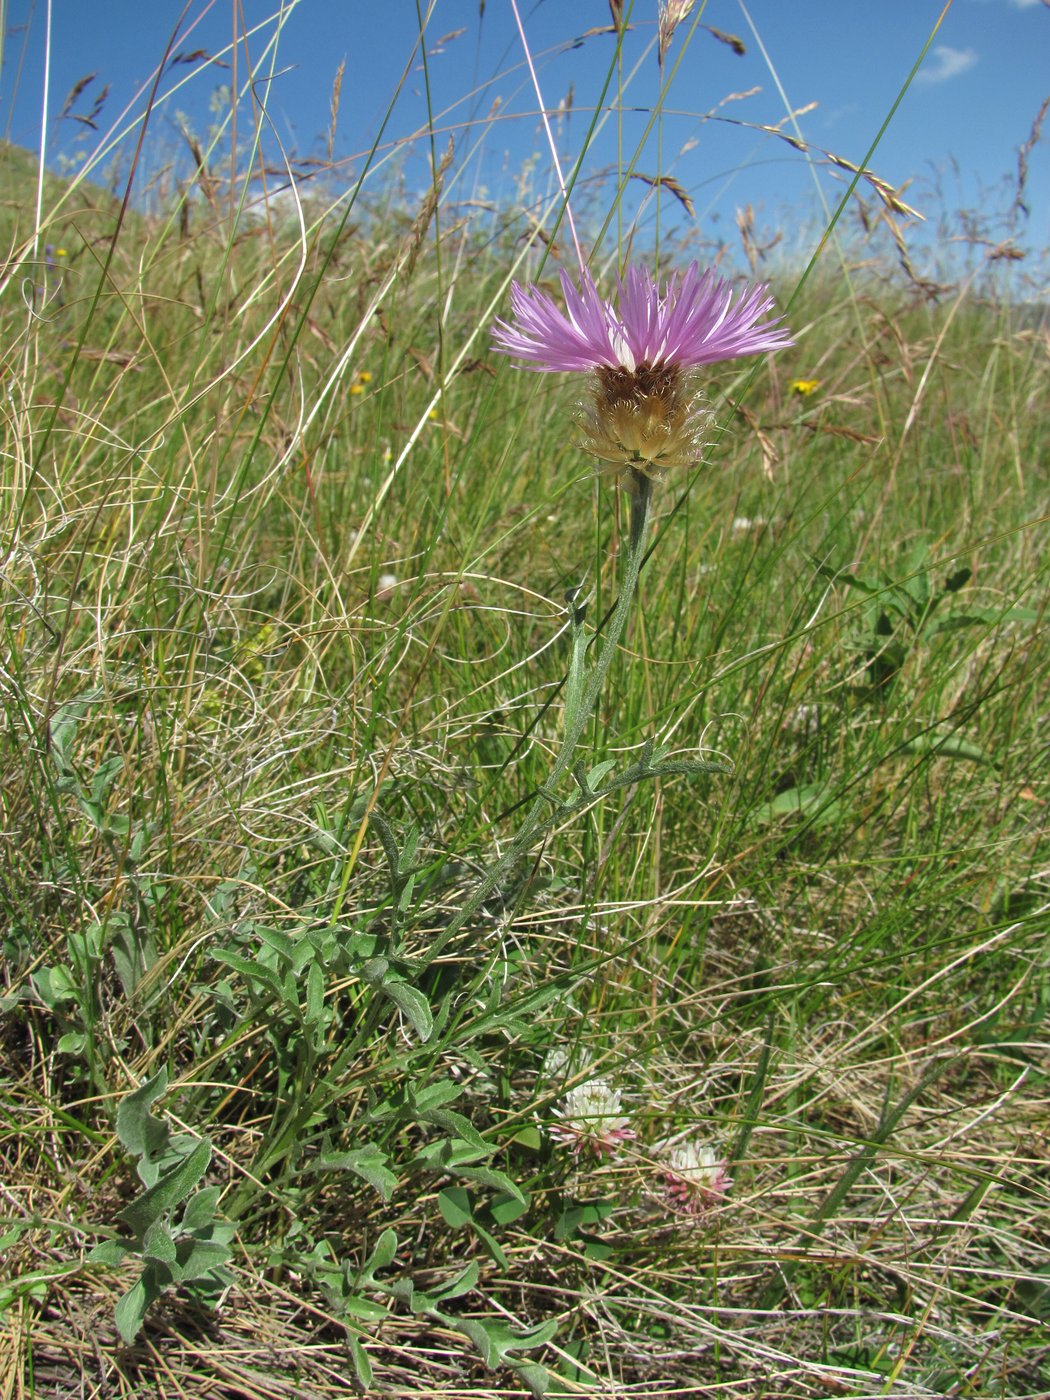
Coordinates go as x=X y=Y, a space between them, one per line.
x=534 y=820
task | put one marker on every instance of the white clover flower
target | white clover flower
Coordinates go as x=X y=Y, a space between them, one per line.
x=695 y=1177
x=591 y=1117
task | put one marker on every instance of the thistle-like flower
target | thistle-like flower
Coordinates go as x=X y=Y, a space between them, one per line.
x=695 y=1177
x=644 y=414
x=590 y=1117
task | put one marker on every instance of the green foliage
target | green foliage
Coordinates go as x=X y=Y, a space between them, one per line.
x=900 y=616
x=191 y=1249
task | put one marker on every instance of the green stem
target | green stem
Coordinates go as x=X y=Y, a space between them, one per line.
x=538 y=820
x=523 y=841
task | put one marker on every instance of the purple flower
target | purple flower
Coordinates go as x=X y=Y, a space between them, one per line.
x=643 y=415
x=695 y=320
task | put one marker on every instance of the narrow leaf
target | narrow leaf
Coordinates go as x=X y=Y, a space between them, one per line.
x=367 y=1162
x=537 y=1378
x=434 y=1095
x=314 y=993
x=382 y=1255
x=464 y=1282
x=456 y=1125
x=249 y=969
x=412 y=1004
x=362 y=1365
x=945 y=746
x=492 y=1245
x=363 y=1309
x=499 y=1181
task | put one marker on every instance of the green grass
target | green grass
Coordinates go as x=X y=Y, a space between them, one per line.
x=283 y=668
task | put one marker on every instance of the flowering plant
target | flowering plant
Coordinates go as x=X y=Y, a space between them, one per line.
x=644 y=413
x=590 y=1116
x=695 y=1178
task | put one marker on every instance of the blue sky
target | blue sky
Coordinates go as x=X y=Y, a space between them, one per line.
x=955 y=135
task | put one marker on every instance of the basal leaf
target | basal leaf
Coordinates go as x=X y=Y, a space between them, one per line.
x=945 y=746
x=362 y=1365
x=172 y=1188
x=412 y=1004
x=456 y=1206
x=368 y=1162
x=137 y=1128
x=382 y=1255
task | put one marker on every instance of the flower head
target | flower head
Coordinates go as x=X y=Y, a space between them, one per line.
x=590 y=1117
x=804 y=387
x=695 y=1177
x=643 y=414
x=694 y=320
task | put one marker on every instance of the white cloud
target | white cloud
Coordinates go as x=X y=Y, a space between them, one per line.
x=1026 y=4
x=946 y=62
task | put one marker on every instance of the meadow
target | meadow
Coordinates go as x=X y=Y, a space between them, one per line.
x=297 y=575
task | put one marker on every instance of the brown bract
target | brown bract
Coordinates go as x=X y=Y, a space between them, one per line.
x=646 y=420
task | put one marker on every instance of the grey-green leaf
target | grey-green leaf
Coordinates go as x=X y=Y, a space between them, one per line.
x=200 y=1209
x=199 y=1258
x=367 y=1162
x=172 y=1188
x=362 y=1365
x=137 y=1129
x=108 y=1252
x=158 y=1244
x=131 y=1310
x=413 y=1005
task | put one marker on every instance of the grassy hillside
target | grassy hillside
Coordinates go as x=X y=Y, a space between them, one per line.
x=286 y=557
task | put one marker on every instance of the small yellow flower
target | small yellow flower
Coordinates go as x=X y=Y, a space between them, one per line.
x=364 y=377
x=357 y=388
x=804 y=387
x=60 y=253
